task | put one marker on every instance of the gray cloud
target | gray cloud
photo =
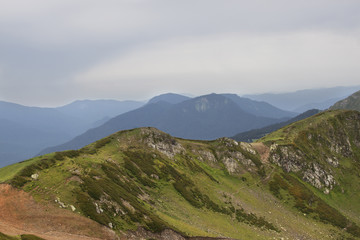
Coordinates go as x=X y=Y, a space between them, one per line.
x=56 y=51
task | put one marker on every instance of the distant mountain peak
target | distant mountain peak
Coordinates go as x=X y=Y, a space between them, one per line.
x=172 y=98
x=213 y=100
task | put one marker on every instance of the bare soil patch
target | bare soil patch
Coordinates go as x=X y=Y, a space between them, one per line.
x=21 y=214
x=263 y=150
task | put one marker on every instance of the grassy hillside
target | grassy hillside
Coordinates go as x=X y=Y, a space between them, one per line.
x=351 y=103
x=222 y=188
x=323 y=150
x=254 y=134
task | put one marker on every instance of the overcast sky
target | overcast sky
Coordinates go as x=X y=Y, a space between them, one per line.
x=55 y=51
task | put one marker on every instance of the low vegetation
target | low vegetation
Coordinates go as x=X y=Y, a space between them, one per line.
x=146 y=178
x=21 y=237
x=289 y=187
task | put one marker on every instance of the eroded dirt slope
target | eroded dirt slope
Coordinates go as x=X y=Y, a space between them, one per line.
x=20 y=214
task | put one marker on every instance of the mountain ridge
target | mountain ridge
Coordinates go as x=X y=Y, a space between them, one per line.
x=259 y=108
x=193 y=119
x=292 y=183
x=28 y=130
x=172 y=98
x=351 y=103
x=254 y=134
x=321 y=98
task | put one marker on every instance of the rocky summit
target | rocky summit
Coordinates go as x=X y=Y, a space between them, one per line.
x=300 y=182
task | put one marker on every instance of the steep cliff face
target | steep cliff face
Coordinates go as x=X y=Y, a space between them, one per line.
x=318 y=147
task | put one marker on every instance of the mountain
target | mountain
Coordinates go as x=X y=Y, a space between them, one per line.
x=304 y=100
x=27 y=130
x=352 y=103
x=205 y=117
x=18 y=142
x=257 y=108
x=300 y=182
x=172 y=98
x=92 y=111
x=323 y=150
x=250 y=136
x=261 y=109
x=318 y=105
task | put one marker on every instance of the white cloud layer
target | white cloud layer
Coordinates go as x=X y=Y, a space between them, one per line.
x=233 y=62
x=53 y=52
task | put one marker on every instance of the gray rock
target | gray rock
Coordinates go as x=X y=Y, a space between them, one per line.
x=35 y=176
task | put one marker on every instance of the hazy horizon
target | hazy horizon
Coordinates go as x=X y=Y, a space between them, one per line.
x=55 y=52
x=144 y=100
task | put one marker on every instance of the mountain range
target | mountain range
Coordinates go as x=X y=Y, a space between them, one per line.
x=299 y=182
x=254 y=134
x=205 y=117
x=27 y=130
x=303 y=100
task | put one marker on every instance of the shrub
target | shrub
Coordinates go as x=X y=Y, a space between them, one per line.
x=30 y=237
x=87 y=207
x=137 y=173
x=59 y=156
x=190 y=193
x=6 y=237
x=102 y=142
x=70 y=154
x=92 y=188
x=252 y=219
x=18 y=181
x=184 y=188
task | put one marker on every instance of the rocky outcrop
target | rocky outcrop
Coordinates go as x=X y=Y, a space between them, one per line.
x=234 y=156
x=205 y=155
x=236 y=161
x=318 y=177
x=229 y=153
x=286 y=157
x=35 y=176
x=315 y=147
x=294 y=160
x=162 y=142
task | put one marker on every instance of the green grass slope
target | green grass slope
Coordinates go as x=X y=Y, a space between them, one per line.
x=351 y=103
x=324 y=151
x=222 y=188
